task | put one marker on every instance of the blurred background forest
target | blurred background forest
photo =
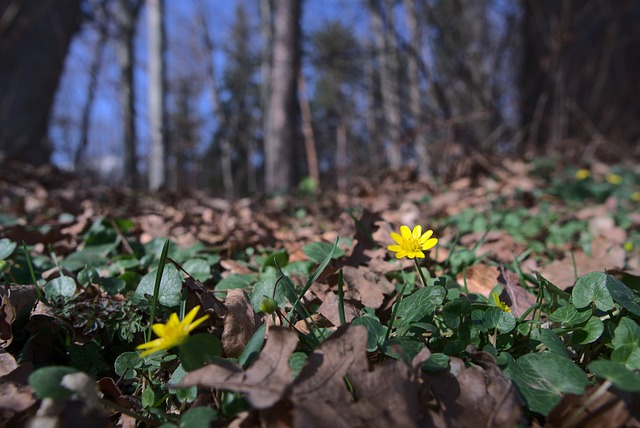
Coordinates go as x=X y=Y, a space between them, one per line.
x=245 y=96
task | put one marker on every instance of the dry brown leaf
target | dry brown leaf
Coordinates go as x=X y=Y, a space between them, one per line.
x=513 y=294
x=604 y=255
x=480 y=278
x=330 y=309
x=596 y=408
x=386 y=396
x=370 y=287
x=7 y=316
x=265 y=382
x=480 y=395
x=7 y=363
x=240 y=323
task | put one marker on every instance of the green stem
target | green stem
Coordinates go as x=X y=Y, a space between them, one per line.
x=156 y=286
x=395 y=312
x=343 y=319
x=424 y=281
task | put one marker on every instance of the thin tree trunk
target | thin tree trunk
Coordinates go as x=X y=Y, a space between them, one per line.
x=373 y=128
x=415 y=92
x=307 y=130
x=214 y=95
x=341 y=153
x=94 y=72
x=158 y=154
x=282 y=101
x=126 y=16
x=34 y=39
x=266 y=30
x=386 y=47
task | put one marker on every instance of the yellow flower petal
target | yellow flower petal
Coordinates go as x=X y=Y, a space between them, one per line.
x=417 y=231
x=412 y=243
x=406 y=233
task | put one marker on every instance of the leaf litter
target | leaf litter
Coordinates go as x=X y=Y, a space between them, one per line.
x=339 y=383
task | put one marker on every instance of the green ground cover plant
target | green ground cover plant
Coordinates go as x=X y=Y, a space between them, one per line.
x=385 y=326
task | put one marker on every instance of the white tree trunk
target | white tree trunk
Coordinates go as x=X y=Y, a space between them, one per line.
x=158 y=154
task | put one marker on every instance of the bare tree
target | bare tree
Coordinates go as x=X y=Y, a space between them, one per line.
x=158 y=155
x=280 y=133
x=34 y=39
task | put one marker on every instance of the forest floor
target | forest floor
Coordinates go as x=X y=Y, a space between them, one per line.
x=526 y=312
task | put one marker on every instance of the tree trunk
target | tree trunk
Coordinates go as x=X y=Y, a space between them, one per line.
x=307 y=130
x=281 y=128
x=126 y=16
x=94 y=73
x=266 y=31
x=415 y=92
x=34 y=39
x=386 y=49
x=158 y=154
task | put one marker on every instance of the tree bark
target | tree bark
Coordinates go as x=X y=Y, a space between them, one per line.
x=34 y=39
x=127 y=12
x=281 y=128
x=158 y=154
x=307 y=130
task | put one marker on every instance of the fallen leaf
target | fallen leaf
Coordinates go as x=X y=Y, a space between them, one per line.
x=513 y=294
x=330 y=309
x=371 y=288
x=596 y=408
x=605 y=255
x=240 y=322
x=479 y=395
x=480 y=279
x=265 y=382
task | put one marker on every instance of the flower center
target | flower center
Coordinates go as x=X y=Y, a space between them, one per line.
x=412 y=244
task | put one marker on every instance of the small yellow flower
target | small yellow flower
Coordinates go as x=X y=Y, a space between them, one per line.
x=613 y=178
x=635 y=196
x=502 y=305
x=628 y=246
x=173 y=333
x=412 y=243
x=582 y=174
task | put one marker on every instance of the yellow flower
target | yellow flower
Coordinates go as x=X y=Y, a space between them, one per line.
x=412 y=244
x=635 y=196
x=499 y=303
x=628 y=246
x=582 y=174
x=173 y=333
x=613 y=178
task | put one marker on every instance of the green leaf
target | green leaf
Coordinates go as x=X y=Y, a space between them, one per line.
x=550 y=340
x=436 y=362
x=170 y=289
x=420 y=304
x=199 y=350
x=113 y=285
x=455 y=310
x=629 y=355
x=590 y=332
x=88 y=276
x=46 y=381
x=569 y=316
x=127 y=363
x=592 y=287
x=403 y=348
x=89 y=257
x=6 y=248
x=627 y=333
x=236 y=280
x=265 y=288
x=619 y=375
x=182 y=394
x=198 y=268
x=544 y=378
x=148 y=397
x=198 y=417
x=297 y=361
x=318 y=251
x=506 y=322
x=623 y=295
x=253 y=347
x=376 y=332
x=491 y=317
x=62 y=286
